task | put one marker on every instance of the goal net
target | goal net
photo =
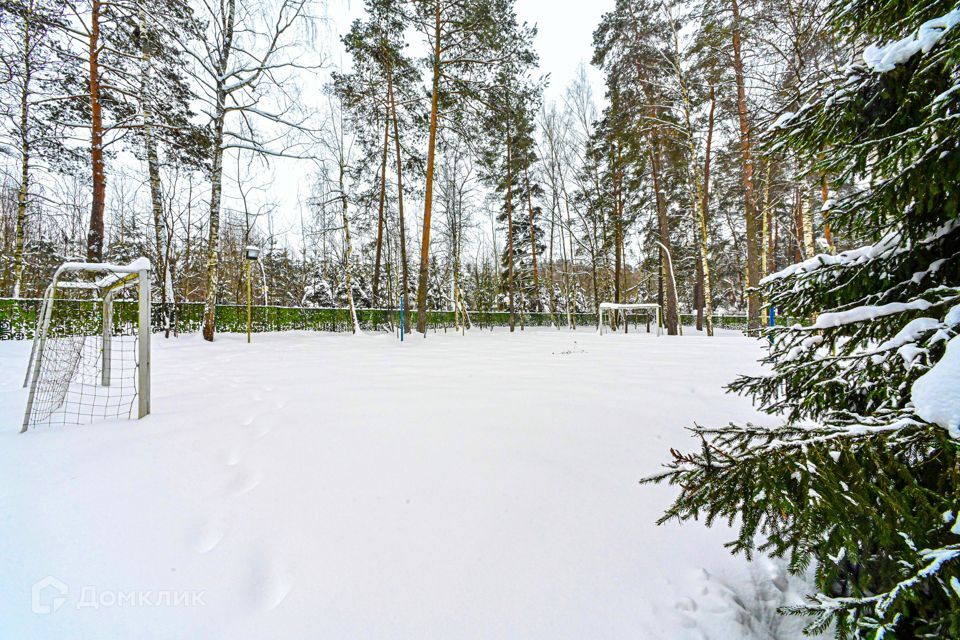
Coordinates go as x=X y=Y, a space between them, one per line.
x=91 y=349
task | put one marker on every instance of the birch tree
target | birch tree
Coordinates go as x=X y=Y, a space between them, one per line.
x=245 y=71
x=29 y=62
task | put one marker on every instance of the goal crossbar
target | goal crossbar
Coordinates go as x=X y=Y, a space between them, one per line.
x=618 y=306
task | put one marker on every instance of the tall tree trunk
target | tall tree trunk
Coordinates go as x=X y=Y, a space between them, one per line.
x=551 y=306
x=565 y=261
x=533 y=241
x=617 y=232
x=95 y=237
x=348 y=249
x=213 y=233
x=405 y=287
x=809 y=247
x=824 y=197
x=380 y=217
x=216 y=179
x=510 y=237
x=572 y=282
x=19 y=231
x=769 y=231
x=766 y=229
x=705 y=287
x=746 y=152
x=621 y=231
x=153 y=173
x=428 y=197
x=700 y=219
x=705 y=208
x=798 y=248
x=670 y=312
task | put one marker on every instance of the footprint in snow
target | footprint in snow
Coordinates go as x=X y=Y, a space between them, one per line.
x=244 y=481
x=270 y=583
x=258 y=430
x=231 y=457
x=210 y=535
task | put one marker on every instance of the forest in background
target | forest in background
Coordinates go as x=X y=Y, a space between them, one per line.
x=440 y=172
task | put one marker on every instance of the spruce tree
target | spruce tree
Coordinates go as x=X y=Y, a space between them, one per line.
x=861 y=482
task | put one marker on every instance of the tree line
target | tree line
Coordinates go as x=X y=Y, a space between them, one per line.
x=441 y=176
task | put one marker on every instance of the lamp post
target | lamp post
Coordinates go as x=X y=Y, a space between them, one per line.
x=251 y=253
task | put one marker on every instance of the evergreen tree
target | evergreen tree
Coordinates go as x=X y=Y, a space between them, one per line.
x=469 y=41
x=507 y=155
x=381 y=71
x=861 y=481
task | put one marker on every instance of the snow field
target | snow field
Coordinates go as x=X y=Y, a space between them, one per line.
x=332 y=486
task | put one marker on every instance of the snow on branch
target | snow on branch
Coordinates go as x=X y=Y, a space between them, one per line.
x=886 y=58
x=890 y=245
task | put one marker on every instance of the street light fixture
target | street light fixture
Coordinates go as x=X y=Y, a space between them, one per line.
x=252 y=254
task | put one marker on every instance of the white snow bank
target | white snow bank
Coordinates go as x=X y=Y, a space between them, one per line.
x=313 y=485
x=936 y=394
x=886 y=58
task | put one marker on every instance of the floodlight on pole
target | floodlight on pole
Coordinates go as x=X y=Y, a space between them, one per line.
x=252 y=254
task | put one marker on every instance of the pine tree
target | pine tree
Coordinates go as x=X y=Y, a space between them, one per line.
x=380 y=70
x=861 y=482
x=507 y=155
x=469 y=41
x=632 y=45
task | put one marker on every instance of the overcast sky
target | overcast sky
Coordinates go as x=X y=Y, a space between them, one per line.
x=565 y=38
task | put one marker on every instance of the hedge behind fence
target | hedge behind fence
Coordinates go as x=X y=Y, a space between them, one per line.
x=18 y=318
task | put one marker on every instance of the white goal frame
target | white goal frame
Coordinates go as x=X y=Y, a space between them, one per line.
x=616 y=306
x=116 y=279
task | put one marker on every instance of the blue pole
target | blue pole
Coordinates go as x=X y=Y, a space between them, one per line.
x=401 y=319
x=773 y=315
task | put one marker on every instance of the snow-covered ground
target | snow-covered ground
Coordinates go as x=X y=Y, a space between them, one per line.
x=329 y=486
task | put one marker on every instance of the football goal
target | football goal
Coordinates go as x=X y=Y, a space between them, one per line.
x=91 y=348
x=614 y=307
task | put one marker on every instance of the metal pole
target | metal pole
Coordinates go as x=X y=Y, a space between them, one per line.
x=106 y=351
x=38 y=359
x=145 y=331
x=36 y=333
x=249 y=322
x=773 y=323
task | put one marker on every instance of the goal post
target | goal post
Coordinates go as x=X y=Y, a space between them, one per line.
x=613 y=307
x=88 y=362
